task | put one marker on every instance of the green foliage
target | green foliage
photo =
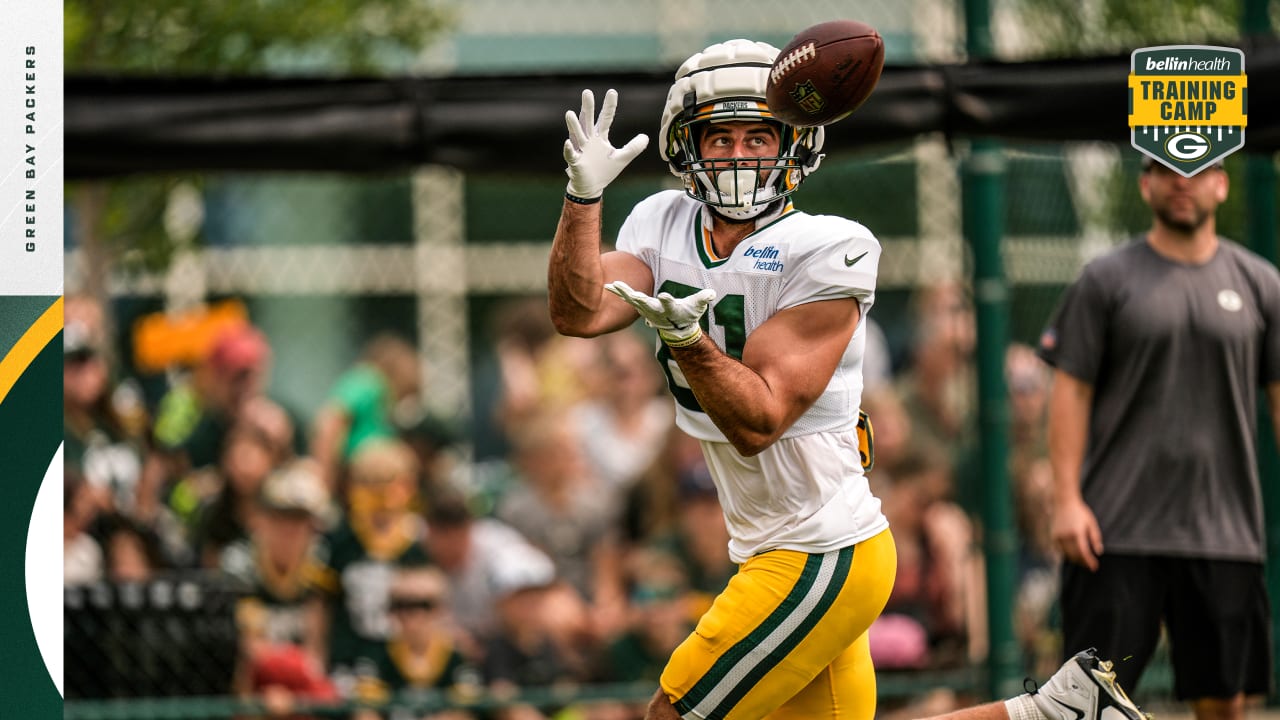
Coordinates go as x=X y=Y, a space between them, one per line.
x=124 y=219
x=1071 y=27
x=128 y=214
x=244 y=36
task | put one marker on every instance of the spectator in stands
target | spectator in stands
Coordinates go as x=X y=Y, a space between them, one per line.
x=194 y=418
x=422 y=652
x=538 y=370
x=277 y=424
x=623 y=426
x=434 y=441
x=247 y=459
x=557 y=504
x=937 y=389
x=378 y=534
x=700 y=539
x=477 y=555
x=651 y=505
x=933 y=614
x=277 y=565
x=132 y=550
x=893 y=431
x=82 y=558
x=1031 y=474
x=526 y=652
x=103 y=438
x=663 y=611
x=280 y=613
x=366 y=403
x=1028 y=379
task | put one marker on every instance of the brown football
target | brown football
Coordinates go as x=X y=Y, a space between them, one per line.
x=825 y=73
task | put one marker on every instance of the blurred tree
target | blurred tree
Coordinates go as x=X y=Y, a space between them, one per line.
x=1073 y=28
x=121 y=223
x=248 y=36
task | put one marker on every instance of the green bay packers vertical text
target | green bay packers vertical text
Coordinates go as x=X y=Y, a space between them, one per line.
x=29 y=136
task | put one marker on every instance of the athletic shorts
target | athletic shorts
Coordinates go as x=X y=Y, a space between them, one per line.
x=788 y=638
x=1216 y=613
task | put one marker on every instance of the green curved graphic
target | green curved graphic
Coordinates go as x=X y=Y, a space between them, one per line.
x=17 y=315
x=30 y=432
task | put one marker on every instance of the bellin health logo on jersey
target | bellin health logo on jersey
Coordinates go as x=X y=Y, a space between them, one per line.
x=1187 y=104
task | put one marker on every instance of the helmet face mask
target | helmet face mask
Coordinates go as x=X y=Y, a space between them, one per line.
x=738 y=187
x=726 y=83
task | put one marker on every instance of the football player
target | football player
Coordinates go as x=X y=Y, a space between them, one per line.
x=758 y=309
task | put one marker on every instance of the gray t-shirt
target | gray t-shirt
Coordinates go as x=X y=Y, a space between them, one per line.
x=1175 y=354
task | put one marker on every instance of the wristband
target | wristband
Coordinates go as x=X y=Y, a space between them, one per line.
x=681 y=342
x=582 y=201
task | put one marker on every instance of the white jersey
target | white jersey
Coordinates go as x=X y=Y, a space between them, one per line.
x=807 y=491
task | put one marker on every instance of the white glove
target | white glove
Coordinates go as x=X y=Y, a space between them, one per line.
x=675 y=319
x=593 y=162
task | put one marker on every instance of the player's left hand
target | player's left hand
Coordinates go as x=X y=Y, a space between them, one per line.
x=675 y=319
x=592 y=161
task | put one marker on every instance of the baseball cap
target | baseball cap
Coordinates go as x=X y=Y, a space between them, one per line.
x=239 y=347
x=523 y=567
x=289 y=667
x=295 y=488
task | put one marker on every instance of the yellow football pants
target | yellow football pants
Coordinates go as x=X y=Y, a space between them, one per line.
x=788 y=638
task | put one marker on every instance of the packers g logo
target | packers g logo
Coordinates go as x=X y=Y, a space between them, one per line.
x=1187 y=146
x=1187 y=104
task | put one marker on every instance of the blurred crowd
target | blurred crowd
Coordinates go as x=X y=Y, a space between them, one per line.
x=373 y=561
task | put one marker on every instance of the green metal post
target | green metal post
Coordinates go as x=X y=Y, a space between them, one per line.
x=1260 y=227
x=1261 y=232
x=983 y=178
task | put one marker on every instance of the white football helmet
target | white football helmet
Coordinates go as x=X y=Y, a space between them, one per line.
x=723 y=83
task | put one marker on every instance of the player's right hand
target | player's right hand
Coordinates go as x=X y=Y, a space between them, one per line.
x=1076 y=533
x=592 y=161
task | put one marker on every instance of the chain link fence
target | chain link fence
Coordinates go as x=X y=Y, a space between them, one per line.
x=168 y=637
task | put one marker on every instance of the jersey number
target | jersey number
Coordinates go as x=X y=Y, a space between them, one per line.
x=729 y=313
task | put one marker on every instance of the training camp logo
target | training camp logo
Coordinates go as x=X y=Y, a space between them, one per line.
x=1187 y=104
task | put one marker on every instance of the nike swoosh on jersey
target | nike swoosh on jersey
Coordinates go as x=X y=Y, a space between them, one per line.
x=849 y=263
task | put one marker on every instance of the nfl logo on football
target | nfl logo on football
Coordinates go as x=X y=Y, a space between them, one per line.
x=807 y=97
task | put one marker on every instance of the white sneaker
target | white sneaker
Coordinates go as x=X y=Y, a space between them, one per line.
x=1085 y=689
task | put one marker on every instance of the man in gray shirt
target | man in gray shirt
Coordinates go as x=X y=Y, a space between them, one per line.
x=1159 y=348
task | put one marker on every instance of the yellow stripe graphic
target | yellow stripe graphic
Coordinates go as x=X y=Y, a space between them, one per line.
x=1190 y=100
x=29 y=346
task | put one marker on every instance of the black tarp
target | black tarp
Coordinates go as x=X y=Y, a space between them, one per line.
x=515 y=123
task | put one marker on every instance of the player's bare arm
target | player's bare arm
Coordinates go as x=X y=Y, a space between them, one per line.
x=1075 y=529
x=577 y=272
x=786 y=364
